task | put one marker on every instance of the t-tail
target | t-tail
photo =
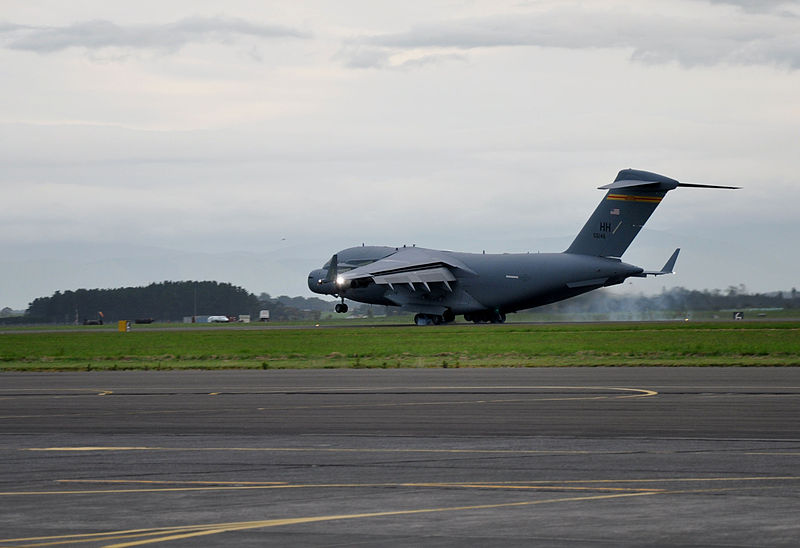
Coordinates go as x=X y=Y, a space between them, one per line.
x=629 y=202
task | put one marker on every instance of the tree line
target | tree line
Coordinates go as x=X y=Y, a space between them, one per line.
x=164 y=302
x=173 y=301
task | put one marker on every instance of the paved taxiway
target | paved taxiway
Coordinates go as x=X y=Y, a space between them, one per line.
x=499 y=457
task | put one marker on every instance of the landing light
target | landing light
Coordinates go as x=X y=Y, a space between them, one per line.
x=340 y=280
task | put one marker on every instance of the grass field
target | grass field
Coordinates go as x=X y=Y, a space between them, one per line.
x=618 y=344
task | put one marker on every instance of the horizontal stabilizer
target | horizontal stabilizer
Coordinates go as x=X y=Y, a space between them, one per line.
x=664 y=184
x=695 y=185
x=669 y=266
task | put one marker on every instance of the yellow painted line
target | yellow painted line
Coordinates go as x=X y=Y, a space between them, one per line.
x=140 y=490
x=634 y=393
x=99 y=390
x=328 y=389
x=187 y=532
x=256 y=487
x=96 y=537
x=433 y=403
x=92 y=448
x=662 y=480
x=530 y=487
x=331 y=450
x=585 y=485
x=172 y=482
x=138 y=537
x=499 y=485
x=528 y=398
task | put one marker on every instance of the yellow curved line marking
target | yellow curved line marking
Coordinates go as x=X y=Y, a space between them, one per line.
x=192 y=531
x=258 y=487
x=139 y=537
x=333 y=450
x=545 y=485
x=630 y=393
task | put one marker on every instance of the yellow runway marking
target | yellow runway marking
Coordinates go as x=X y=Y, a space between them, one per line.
x=330 y=450
x=284 y=485
x=529 y=397
x=137 y=537
x=192 y=531
x=255 y=487
x=207 y=486
x=174 y=482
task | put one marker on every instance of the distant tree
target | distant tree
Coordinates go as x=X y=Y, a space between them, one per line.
x=165 y=301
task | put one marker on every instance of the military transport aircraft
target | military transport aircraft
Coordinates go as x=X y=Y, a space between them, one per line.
x=439 y=285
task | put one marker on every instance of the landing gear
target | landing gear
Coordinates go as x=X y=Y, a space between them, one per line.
x=434 y=319
x=486 y=316
x=340 y=308
x=422 y=319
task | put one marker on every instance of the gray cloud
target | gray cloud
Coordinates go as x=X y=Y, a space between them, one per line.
x=759 y=6
x=361 y=56
x=99 y=34
x=365 y=56
x=746 y=39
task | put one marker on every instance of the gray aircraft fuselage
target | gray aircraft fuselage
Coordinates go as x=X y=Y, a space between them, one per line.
x=439 y=285
x=505 y=282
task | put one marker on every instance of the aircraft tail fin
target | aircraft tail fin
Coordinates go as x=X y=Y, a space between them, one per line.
x=629 y=202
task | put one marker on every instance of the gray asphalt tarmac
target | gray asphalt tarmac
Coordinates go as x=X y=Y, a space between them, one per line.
x=491 y=457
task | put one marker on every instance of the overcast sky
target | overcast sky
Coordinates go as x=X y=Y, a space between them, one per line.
x=247 y=141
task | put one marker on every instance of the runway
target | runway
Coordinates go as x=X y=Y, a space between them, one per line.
x=496 y=457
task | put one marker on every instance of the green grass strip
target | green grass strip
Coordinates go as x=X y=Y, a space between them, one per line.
x=460 y=345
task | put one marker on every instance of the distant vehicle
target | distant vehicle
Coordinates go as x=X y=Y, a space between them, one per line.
x=218 y=319
x=438 y=285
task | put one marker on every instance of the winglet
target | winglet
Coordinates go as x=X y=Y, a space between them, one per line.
x=668 y=268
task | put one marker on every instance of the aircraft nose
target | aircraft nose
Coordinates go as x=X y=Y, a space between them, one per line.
x=316 y=282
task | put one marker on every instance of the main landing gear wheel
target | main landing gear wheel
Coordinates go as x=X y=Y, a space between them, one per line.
x=486 y=316
x=422 y=319
x=340 y=308
x=434 y=319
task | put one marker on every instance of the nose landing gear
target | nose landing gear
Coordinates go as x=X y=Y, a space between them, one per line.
x=340 y=308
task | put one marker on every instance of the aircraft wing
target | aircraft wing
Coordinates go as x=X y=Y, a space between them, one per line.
x=410 y=266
